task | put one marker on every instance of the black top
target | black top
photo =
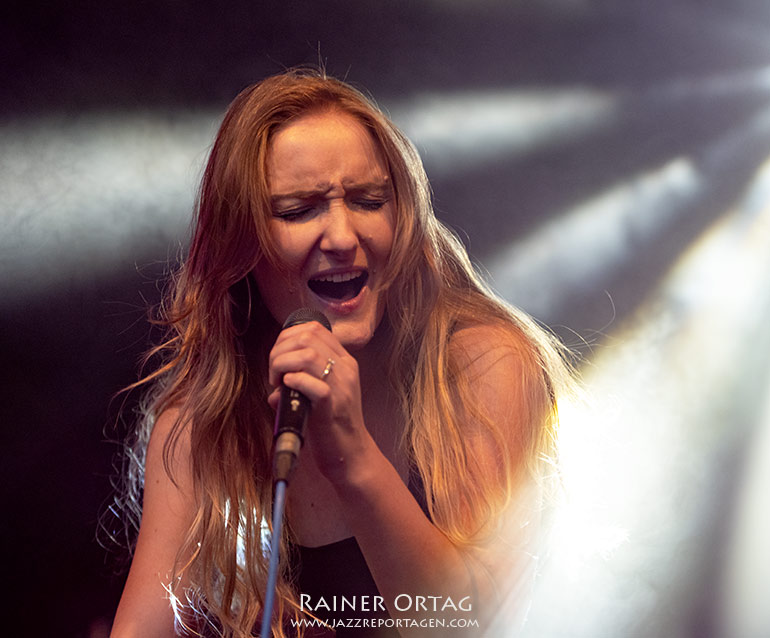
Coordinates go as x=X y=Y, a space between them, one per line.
x=329 y=572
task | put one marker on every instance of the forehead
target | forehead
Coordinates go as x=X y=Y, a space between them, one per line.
x=323 y=148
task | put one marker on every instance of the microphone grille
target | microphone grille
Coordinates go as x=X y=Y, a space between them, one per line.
x=303 y=315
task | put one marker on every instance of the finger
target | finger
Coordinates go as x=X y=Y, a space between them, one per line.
x=309 y=334
x=312 y=387
x=304 y=340
x=273 y=398
x=308 y=360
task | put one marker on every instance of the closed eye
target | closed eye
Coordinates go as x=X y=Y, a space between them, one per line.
x=305 y=211
x=293 y=214
x=370 y=204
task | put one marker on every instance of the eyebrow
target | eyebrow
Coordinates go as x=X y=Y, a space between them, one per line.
x=382 y=187
x=320 y=190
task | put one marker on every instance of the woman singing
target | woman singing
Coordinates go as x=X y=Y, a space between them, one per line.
x=417 y=497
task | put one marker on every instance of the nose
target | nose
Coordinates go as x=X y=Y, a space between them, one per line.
x=339 y=234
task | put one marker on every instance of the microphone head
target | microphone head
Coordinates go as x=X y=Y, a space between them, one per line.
x=303 y=315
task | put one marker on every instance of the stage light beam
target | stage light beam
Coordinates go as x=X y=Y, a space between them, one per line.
x=675 y=390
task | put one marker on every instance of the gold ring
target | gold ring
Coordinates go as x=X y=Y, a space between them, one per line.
x=327 y=369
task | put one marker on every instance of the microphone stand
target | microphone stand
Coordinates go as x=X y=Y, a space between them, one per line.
x=290 y=420
x=291 y=416
x=279 y=501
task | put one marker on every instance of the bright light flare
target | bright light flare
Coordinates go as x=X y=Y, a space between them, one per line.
x=745 y=612
x=643 y=466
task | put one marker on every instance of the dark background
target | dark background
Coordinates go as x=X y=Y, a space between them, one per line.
x=73 y=328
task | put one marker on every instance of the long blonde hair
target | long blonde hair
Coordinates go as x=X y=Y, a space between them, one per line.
x=212 y=364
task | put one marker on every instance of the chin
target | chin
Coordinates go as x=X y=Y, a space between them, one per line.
x=353 y=339
x=355 y=334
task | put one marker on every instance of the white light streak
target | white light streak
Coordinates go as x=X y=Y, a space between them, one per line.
x=80 y=194
x=455 y=132
x=576 y=248
x=718 y=85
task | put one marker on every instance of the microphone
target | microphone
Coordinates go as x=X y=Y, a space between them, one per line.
x=293 y=409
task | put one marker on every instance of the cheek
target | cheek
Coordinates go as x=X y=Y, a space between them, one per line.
x=292 y=249
x=276 y=283
x=379 y=231
x=382 y=239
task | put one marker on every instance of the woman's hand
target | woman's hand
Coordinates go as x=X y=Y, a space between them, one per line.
x=337 y=436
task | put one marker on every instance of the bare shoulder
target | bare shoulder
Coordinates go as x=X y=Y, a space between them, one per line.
x=168 y=482
x=481 y=350
x=168 y=451
x=501 y=369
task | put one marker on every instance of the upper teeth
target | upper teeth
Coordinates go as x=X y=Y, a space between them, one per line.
x=338 y=277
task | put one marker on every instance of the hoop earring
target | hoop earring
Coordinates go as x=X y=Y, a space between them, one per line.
x=242 y=302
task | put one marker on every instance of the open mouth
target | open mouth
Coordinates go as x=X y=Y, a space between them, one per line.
x=340 y=286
